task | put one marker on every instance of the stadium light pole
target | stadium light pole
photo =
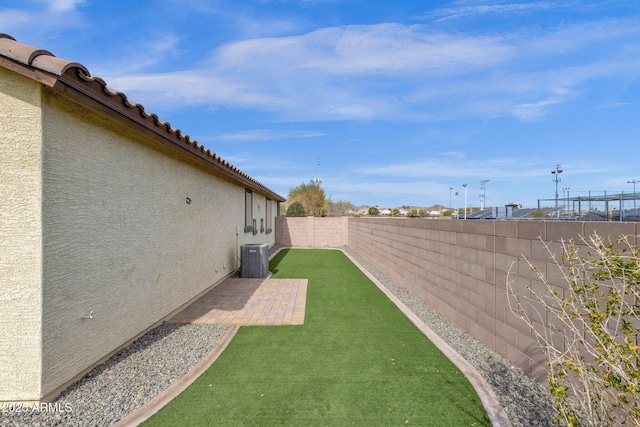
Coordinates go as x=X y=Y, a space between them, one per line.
x=317 y=180
x=482 y=196
x=450 y=190
x=565 y=197
x=465 y=200
x=556 y=178
x=457 y=211
x=634 y=182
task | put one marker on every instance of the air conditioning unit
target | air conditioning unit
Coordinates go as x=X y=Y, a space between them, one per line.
x=254 y=260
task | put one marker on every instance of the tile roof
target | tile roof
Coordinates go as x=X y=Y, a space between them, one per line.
x=74 y=79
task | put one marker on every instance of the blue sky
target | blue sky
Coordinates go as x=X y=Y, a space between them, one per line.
x=398 y=100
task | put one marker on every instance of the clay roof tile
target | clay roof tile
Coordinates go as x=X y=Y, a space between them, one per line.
x=33 y=56
x=111 y=92
x=57 y=66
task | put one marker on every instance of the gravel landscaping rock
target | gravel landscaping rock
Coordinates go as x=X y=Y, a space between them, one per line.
x=126 y=381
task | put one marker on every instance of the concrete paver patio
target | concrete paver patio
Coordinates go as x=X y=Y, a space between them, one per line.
x=241 y=301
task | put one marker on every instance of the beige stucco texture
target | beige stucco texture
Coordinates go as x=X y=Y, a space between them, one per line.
x=20 y=237
x=104 y=233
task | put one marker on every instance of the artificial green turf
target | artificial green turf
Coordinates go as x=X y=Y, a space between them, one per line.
x=357 y=360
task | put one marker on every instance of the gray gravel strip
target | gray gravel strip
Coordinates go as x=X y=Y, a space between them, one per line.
x=126 y=381
x=524 y=400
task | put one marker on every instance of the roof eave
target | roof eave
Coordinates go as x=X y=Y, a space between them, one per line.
x=75 y=80
x=116 y=104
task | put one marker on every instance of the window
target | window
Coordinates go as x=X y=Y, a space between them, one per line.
x=268 y=215
x=248 y=211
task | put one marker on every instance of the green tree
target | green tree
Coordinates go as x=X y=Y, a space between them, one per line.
x=296 y=209
x=374 y=211
x=311 y=196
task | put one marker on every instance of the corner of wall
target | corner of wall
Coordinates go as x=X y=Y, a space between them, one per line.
x=20 y=238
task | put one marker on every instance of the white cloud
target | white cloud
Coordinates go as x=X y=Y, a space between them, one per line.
x=504 y=8
x=463 y=11
x=155 y=48
x=310 y=76
x=534 y=110
x=259 y=135
x=396 y=71
x=614 y=105
x=387 y=49
x=14 y=19
x=531 y=111
x=190 y=88
x=453 y=164
x=63 y=5
x=48 y=16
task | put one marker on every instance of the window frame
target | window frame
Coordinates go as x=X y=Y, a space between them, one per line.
x=248 y=211
x=269 y=216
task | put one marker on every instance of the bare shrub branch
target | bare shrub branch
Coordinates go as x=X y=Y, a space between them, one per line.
x=588 y=328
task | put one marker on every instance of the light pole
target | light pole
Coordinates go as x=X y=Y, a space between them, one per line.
x=482 y=185
x=465 y=200
x=634 y=182
x=450 y=190
x=556 y=173
x=457 y=212
x=565 y=197
x=317 y=180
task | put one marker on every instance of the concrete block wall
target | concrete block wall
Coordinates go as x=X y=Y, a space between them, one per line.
x=460 y=268
x=312 y=232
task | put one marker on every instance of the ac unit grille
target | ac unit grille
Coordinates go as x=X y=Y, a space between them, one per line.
x=254 y=260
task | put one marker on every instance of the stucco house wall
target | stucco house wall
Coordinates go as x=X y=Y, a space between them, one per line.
x=20 y=236
x=105 y=232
